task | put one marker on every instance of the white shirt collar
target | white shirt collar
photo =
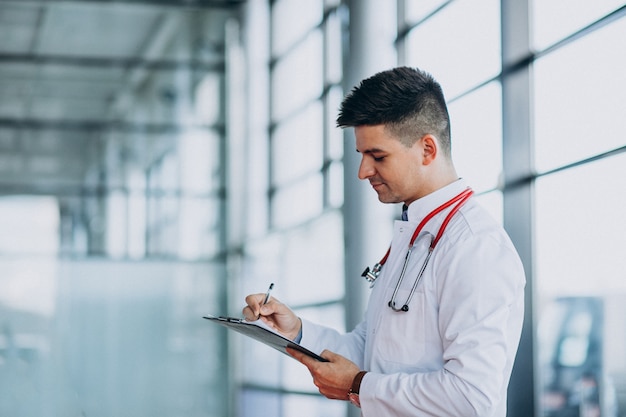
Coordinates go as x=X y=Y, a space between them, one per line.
x=420 y=208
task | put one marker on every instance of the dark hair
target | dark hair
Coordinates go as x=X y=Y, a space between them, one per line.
x=408 y=101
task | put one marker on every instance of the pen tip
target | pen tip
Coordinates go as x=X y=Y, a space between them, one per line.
x=271 y=285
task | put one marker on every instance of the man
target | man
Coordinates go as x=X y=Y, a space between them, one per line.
x=445 y=314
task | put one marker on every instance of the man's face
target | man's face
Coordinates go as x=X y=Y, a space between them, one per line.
x=395 y=171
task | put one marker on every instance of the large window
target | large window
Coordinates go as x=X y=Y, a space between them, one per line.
x=577 y=139
x=158 y=161
x=111 y=204
x=580 y=155
x=301 y=249
x=465 y=58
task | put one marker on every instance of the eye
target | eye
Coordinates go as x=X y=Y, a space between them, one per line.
x=379 y=158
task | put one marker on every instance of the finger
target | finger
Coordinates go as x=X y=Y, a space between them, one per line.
x=303 y=358
x=333 y=394
x=248 y=314
x=299 y=356
x=254 y=302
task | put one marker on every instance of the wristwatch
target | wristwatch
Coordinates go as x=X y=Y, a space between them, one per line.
x=353 y=394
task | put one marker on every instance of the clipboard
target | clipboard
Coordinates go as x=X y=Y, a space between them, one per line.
x=261 y=332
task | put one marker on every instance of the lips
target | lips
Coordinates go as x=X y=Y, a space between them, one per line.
x=376 y=185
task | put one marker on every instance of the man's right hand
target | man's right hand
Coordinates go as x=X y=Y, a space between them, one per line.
x=274 y=313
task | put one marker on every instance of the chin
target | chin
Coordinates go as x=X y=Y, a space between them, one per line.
x=388 y=200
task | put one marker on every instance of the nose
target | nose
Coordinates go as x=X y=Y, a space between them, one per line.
x=366 y=169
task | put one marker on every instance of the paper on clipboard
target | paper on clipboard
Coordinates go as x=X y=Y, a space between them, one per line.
x=261 y=332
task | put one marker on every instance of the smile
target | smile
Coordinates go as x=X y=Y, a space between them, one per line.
x=376 y=185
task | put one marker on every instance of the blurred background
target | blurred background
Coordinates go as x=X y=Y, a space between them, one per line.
x=159 y=160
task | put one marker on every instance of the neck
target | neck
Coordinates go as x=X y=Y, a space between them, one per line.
x=439 y=179
x=444 y=175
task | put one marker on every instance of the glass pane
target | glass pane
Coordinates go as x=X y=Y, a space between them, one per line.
x=291 y=20
x=313 y=406
x=574 y=378
x=261 y=364
x=208 y=96
x=199 y=161
x=137 y=222
x=334 y=61
x=104 y=338
x=571 y=16
x=418 y=10
x=261 y=266
x=298 y=77
x=476 y=122
x=298 y=146
x=579 y=229
x=259 y=403
x=110 y=122
x=314 y=276
x=458 y=52
x=302 y=277
x=580 y=241
x=580 y=92
x=331 y=315
x=493 y=203
x=335 y=185
x=298 y=202
x=30 y=225
x=198 y=234
x=183 y=227
x=116 y=224
x=334 y=134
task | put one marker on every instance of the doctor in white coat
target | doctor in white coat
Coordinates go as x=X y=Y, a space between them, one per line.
x=445 y=313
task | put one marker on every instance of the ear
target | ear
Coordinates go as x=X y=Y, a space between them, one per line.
x=430 y=148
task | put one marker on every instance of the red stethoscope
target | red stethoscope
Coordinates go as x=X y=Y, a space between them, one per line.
x=370 y=275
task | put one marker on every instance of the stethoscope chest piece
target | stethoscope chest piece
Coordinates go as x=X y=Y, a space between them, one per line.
x=371 y=275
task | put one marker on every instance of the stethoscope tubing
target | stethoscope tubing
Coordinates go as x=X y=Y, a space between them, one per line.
x=405 y=306
x=371 y=276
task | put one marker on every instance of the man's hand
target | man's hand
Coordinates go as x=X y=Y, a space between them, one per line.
x=333 y=378
x=276 y=314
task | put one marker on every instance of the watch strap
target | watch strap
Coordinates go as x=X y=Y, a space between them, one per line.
x=353 y=394
x=356 y=382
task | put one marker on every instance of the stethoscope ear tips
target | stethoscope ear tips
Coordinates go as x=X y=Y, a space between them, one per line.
x=405 y=308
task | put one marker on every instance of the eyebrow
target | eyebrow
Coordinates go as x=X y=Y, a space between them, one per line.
x=373 y=150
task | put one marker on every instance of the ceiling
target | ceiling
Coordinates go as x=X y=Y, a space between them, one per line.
x=76 y=73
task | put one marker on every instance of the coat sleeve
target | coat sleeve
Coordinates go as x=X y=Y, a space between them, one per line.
x=351 y=345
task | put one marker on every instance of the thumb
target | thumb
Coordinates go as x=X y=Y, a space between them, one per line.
x=266 y=309
x=331 y=356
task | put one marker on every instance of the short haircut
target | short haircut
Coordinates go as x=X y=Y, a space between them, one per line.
x=407 y=101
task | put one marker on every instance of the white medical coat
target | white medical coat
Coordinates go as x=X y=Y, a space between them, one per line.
x=452 y=353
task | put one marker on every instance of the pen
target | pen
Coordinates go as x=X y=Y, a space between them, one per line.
x=267 y=297
x=267 y=294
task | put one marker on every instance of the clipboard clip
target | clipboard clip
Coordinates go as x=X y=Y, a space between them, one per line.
x=230 y=319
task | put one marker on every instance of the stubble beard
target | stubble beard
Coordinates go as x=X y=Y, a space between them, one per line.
x=386 y=196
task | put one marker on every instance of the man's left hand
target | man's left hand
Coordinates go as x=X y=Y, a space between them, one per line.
x=333 y=378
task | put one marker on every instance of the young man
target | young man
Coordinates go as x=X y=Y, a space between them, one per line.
x=445 y=314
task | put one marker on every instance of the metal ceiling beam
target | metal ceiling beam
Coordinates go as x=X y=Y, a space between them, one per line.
x=153 y=46
x=66 y=189
x=128 y=63
x=203 y=4
x=97 y=125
